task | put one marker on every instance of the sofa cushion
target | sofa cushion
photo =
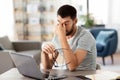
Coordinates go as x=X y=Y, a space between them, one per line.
x=5 y=42
x=103 y=36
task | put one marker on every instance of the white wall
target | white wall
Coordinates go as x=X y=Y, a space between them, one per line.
x=114 y=18
x=6 y=18
x=114 y=12
x=99 y=9
x=106 y=11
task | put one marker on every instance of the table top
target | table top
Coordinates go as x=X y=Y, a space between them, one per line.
x=13 y=74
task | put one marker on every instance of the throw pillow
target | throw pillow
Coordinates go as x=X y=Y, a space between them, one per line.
x=103 y=36
x=6 y=43
x=1 y=47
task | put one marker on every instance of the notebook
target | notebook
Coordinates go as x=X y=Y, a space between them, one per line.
x=27 y=66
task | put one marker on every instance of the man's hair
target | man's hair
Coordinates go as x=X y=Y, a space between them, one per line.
x=67 y=10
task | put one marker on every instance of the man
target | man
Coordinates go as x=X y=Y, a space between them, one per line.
x=77 y=44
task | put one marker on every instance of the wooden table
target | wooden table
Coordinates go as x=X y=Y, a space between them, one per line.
x=13 y=74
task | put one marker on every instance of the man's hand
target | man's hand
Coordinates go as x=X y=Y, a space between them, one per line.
x=60 y=30
x=48 y=48
x=47 y=55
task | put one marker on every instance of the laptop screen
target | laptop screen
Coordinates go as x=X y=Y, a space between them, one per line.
x=27 y=66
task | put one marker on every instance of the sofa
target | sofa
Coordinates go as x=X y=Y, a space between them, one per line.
x=25 y=47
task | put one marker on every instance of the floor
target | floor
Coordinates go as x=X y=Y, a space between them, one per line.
x=109 y=66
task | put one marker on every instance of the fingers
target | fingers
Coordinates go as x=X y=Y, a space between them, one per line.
x=51 y=48
x=48 y=48
x=64 y=27
x=60 y=27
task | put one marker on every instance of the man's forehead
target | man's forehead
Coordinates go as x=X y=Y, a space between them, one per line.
x=63 y=20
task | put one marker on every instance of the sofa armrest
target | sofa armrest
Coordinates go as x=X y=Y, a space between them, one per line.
x=6 y=62
x=26 y=45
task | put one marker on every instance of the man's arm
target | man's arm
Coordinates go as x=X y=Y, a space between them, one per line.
x=73 y=58
x=45 y=61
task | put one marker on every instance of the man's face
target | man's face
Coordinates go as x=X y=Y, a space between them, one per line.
x=68 y=22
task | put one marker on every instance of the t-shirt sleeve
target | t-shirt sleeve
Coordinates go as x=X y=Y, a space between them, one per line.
x=86 y=41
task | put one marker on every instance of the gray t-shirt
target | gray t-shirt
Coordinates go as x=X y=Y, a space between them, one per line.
x=82 y=40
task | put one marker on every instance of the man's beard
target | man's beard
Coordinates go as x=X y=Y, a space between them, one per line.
x=71 y=31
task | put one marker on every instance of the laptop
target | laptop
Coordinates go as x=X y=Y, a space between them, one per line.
x=27 y=66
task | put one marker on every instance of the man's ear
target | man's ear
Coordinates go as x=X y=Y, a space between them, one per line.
x=75 y=21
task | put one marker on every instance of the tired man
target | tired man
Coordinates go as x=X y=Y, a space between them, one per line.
x=77 y=44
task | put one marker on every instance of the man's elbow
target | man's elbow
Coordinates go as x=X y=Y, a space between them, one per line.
x=72 y=68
